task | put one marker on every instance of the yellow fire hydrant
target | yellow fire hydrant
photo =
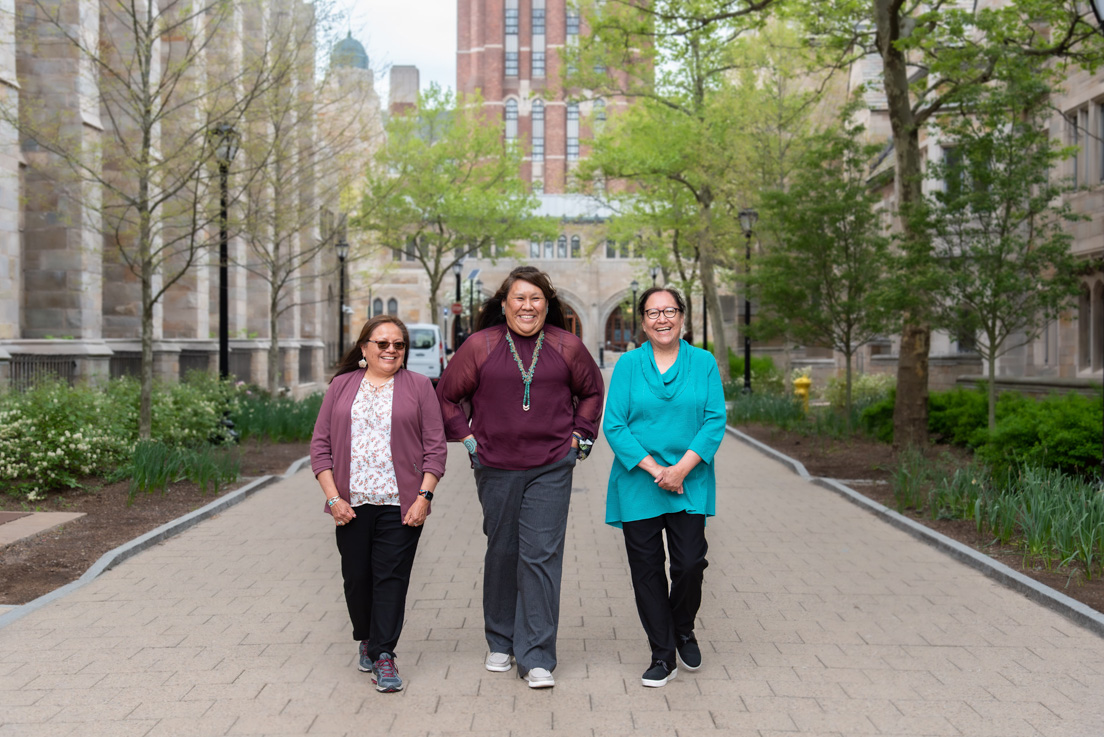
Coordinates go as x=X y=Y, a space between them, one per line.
x=801 y=386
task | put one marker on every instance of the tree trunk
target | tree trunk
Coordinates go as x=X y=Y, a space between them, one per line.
x=145 y=401
x=274 y=347
x=847 y=391
x=910 y=414
x=992 y=393
x=709 y=289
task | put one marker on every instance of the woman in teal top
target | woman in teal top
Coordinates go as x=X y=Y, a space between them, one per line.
x=665 y=419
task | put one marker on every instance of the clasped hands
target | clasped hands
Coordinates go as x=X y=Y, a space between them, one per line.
x=670 y=477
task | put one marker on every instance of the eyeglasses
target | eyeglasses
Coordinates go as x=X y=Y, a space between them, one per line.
x=385 y=344
x=668 y=312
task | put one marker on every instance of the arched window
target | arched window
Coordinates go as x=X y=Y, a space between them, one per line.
x=393 y=307
x=572 y=321
x=618 y=330
x=534 y=248
x=576 y=248
x=511 y=119
x=377 y=307
x=561 y=247
x=548 y=252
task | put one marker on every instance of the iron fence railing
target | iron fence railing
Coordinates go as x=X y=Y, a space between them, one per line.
x=28 y=370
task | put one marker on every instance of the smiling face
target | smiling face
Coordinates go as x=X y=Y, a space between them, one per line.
x=526 y=308
x=383 y=363
x=662 y=332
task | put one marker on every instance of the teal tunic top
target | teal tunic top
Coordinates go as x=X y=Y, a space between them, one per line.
x=663 y=415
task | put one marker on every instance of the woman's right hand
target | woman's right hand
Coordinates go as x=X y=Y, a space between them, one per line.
x=342 y=512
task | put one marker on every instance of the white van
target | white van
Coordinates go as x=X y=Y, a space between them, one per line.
x=426 y=351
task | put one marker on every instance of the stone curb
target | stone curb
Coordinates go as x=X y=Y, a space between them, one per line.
x=1053 y=599
x=112 y=558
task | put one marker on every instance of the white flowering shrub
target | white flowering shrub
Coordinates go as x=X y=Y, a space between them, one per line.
x=866 y=389
x=53 y=435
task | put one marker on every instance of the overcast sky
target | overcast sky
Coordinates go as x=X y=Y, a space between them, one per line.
x=418 y=32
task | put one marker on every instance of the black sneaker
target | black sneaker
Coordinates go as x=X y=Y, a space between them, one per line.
x=365 y=661
x=689 y=654
x=658 y=674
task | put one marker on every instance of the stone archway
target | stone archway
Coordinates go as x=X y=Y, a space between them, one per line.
x=572 y=321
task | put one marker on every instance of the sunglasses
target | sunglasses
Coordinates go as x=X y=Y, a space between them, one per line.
x=385 y=344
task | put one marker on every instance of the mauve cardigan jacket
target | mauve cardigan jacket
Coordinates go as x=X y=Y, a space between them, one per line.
x=417 y=433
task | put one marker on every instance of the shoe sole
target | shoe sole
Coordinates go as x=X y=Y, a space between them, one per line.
x=541 y=684
x=363 y=669
x=499 y=668
x=387 y=689
x=659 y=684
x=686 y=665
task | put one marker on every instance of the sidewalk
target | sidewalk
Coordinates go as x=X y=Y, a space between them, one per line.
x=818 y=619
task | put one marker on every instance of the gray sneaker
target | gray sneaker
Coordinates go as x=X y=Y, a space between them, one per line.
x=365 y=660
x=385 y=675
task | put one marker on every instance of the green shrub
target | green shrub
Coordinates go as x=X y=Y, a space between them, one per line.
x=877 y=419
x=774 y=409
x=279 y=419
x=154 y=465
x=52 y=434
x=1060 y=432
x=765 y=377
x=866 y=389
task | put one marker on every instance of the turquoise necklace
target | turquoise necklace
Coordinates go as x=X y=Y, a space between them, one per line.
x=526 y=376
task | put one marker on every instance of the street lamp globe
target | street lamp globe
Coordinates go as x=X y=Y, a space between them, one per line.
x=748 y=218
x=342 y=249
x=227 y=142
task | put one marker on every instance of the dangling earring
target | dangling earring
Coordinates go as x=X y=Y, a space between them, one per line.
x=503 y=305
x=362 y=363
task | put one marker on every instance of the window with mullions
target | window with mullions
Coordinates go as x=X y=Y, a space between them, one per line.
x=511 y=20
x=561 y=247
x=572 y=22
x=393 y=307
x=538 y=64
x=511 y=64
x=538 y=130
x=548 y=252
x=511 y=120
x=611 y=248
x=576 y=247
x=538 y=17
x=572 y=131
x=534 y=248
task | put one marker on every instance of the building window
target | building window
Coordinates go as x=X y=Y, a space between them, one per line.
x=538 y=63
x=377 y=307
x=511 y=63
x=576 y=249
x=511 y=48
x=572 y=131
x=534 y=248
x=1073 y=128
x=511 y=120
x=561 y=247
x=411 y=249
x=538 y=186
x=952 y=172
x=611 y=248
x=600 y=111
x=538 y=17
x=538 y=130
x=393 y=307
x=572 y=22
x=511 y=18
x=548 y=252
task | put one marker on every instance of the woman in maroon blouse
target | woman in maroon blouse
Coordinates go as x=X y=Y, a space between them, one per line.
x=525 y=397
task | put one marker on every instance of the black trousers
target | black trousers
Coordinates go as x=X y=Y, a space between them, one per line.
x=667 y=614
x=377 y=554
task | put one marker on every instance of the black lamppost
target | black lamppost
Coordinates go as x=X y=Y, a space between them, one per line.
x=655 y=272
x=1098 y=11
x=477 y=287
x=458 y=325
x=342 y=254
x=226 y=148
x=747 y=222
x=634 y=285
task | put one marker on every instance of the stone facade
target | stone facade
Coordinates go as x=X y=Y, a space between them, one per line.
x=70 y=304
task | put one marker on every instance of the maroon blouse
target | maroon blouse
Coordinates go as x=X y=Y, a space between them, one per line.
x=482 y=385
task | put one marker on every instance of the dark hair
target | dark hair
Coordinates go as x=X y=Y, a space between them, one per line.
x=652 y=290
x=351 y=360
x=491 y=313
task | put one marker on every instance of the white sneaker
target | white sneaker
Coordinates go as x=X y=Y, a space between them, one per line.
x=498 y=662
x=540 y=678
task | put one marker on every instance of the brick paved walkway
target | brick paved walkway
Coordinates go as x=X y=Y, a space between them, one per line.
x=818 y=619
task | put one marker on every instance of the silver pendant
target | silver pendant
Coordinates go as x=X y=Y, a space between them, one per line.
x=525 y=407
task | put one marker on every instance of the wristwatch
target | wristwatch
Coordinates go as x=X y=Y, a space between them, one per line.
x=426 y=493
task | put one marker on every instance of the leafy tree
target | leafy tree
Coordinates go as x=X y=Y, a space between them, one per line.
x=999 y=222
x=818 y=281
x=936 y=56
x=445 y=186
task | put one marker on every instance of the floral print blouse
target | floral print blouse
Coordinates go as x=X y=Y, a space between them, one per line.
x=372 y=478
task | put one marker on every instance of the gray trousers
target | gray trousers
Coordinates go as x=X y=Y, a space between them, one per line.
x=525 y=520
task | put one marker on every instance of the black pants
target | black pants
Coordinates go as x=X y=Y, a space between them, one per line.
x=377 y=554
x=667 y=614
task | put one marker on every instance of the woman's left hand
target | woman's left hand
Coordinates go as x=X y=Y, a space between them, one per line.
x=416 y=515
